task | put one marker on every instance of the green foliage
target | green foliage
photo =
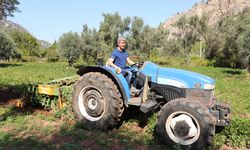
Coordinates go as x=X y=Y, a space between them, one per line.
x=48 y=102
x=232 y=86
x=235 y=135
x=158 y=58
x=52 y=53
x=225 y=41
x=91 y=45
x=197 y=61
x=18 y=121
x=136 y=29
x=7 y=8
x=26 y=44
x=244 y=53
x=151 y=39
x=70 y=146
x=152 y=124
x=113 y=26
x=172 y=47
x=146 y=38
x=69 y=47
x=230 y=30
x=7 y=47
x=66 y=112
x=16 y=74
x=189 y=35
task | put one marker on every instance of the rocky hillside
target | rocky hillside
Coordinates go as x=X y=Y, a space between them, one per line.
x=215 y=9
x=9 y=26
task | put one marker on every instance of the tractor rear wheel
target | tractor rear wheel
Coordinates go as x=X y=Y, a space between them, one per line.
x=97 y=101
x=186 y=124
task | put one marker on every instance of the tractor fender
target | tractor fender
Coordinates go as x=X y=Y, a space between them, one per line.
x=118 y=79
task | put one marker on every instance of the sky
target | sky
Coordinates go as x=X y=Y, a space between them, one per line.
x=49 y=19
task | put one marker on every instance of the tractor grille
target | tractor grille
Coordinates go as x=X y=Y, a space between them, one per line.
x=170 y=94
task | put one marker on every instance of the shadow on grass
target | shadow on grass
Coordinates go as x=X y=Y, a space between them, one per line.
x=21 y=138
x=9 y=93
x=233 y=72
x=78 y=66
x=134 y=113
x=9 y=141
x=5 y=65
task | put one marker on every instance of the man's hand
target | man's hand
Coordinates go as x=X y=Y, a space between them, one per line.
x=135 y=65
x=118 y=70
x=110 y=63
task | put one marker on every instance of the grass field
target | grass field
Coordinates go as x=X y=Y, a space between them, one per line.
x=37 y=129
x=28 y=73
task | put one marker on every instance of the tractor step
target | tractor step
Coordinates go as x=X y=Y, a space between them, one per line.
x=135 y=101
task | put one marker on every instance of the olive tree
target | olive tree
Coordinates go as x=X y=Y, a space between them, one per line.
x=7 y=47
x=69 y=47
x=244 y=53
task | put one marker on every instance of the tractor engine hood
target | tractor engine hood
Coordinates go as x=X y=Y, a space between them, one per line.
x=177 y=77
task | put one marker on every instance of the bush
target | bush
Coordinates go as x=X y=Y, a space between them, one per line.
x=26 y=43
x=197 y=61
x=30 y=59
x=53 y=56
x=169 y=60
x=235 y=135
x=7 y=47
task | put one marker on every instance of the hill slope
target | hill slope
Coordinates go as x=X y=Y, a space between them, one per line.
x=9 y=26
x=215 y=9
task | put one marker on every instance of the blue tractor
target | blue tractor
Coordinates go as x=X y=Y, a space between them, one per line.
x=188 y=110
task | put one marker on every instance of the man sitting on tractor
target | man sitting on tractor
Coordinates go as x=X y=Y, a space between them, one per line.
x=119 y=58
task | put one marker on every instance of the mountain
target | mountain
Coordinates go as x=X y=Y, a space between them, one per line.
x=44 y=44
x=9 y=26
x=214 y=9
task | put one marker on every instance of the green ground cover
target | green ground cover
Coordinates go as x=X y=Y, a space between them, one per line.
x=29 y=129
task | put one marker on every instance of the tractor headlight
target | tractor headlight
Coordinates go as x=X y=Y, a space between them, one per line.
x=209 y=86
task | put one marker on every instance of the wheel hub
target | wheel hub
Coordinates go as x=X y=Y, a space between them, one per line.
x=182 y=128
x=91 y=103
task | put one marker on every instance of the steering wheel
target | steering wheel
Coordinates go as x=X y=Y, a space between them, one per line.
x=137 y=65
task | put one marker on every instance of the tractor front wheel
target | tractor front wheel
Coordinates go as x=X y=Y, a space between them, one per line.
x=185 y=124
x=97 y=101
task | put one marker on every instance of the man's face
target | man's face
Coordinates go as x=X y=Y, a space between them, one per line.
x=122 y=44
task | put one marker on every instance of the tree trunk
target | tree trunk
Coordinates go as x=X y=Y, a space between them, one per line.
x=1 y=10
x=70 y=62
x=248 y=69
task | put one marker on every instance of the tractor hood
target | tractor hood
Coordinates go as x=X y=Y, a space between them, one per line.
x=177 y=77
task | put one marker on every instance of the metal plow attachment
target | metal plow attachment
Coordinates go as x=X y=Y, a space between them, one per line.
x=37 y=93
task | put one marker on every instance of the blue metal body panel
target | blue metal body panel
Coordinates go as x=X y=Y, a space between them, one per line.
x=122 y=79
x=151 y=70
x=175 y=77
x=166 y=76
